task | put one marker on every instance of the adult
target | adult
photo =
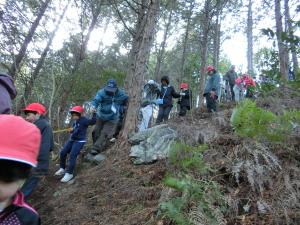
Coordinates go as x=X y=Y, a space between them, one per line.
x=211 y=89
x=7 y=93
x=165 y=101
x=108 y=103
x=150 y=92
x=230 y=78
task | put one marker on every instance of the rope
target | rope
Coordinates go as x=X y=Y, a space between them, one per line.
x=62 y=130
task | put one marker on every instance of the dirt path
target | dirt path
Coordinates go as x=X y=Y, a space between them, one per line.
x=115 y=192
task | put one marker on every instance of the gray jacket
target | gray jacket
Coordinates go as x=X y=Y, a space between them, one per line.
x=212 y=83
x=7 y=93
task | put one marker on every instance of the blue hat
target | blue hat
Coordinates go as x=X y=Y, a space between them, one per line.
x=111 y=86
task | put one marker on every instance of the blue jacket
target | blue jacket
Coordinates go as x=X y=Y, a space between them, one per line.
x=47 y=145
x=80 y=128
x=168 y=94
x=104 y=102
x=212 y=83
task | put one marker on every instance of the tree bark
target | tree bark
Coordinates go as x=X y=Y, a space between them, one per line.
x=291 y=33
x=205 y=23
x=17 y=62
x=185 y=40
x=138 y=57
x=161 y=51
x=217 y=39
x=250 y=39
x=283 y=53
x=29 y=85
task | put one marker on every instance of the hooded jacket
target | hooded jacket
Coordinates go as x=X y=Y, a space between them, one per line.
x=103 y=103
x=212 y=83
x=7 y=93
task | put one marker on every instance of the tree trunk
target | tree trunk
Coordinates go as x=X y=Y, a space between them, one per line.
x=29 y=85
x=17 y=62
x=185 y=40
x=205 y=23
x=161 y=51
x=138 y=57
x=283 y=53
x=250 y=39
x=290 y=33
x=217 y=38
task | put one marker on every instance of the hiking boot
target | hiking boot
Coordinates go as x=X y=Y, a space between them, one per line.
x=60 y=172
x=67 y=177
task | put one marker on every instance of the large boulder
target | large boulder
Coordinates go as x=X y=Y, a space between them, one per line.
x=152 y=144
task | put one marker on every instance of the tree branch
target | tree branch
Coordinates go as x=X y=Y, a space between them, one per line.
x=122 y=19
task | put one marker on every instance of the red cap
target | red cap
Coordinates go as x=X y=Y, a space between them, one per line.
x=184 y=86
x=210 y=68
x=36 y=107
x=20 y=140
x=77 y=109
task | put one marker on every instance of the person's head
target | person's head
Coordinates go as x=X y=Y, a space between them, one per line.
x=111 y=87
x=19 y=148
x=184 y=86
x=7 y=93
x=165 y=81
x=76 y=112
x=34 y=111
x=210 y=70
x=232 y=68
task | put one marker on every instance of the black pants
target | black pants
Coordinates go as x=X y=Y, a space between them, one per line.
x=211 y=103
x=232 y=92
x=163 y=114
x=183 y=109
x=103 y=132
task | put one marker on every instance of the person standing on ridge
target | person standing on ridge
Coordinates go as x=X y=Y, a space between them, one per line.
x=230 y=78
x=185 y=99
x=167 y=93
x=211 y=89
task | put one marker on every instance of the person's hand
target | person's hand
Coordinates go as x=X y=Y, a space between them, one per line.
x=93 y=110
x=212 y=94
x=182 y=93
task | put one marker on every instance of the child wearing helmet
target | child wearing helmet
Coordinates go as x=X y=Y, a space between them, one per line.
x=75 y=143
x=19 y=148
x=185 y=99
x=211 y=89
x=34 y=113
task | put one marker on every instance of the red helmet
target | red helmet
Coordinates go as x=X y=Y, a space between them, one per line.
x=35 y=107
x=210 y=68
x=184 y=86
x=77 y=109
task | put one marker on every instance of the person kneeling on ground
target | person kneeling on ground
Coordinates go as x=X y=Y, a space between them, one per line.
x=164 y=101
x=75 y=143
x=19 y=148
x=185 y=99
x=108 y=103
x=34 y=113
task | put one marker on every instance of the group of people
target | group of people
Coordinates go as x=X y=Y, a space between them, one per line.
x=26 y=142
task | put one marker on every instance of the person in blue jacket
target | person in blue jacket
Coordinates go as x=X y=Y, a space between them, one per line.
x=75 y=143
x=109 y=104
x=165 y=101
x=35 y=113
x=211 y=89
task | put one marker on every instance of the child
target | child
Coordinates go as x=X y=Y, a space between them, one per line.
x=185 y=99
x=19 y=147
x=34 y=113
x=75 y=143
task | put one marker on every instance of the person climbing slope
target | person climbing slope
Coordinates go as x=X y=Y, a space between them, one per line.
x=211 y=89
x=230 y=78
x=185 y=99
x=35 y=113
x=75 y=143
x=167 y=93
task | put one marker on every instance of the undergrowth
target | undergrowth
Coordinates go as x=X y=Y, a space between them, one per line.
x=199 y=199
x=250 y=121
